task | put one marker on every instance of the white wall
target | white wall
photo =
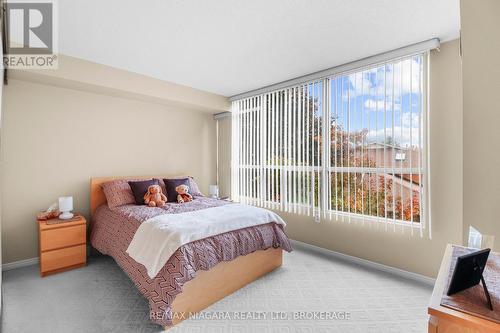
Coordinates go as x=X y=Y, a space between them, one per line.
x=480 y=21
x=224 y=157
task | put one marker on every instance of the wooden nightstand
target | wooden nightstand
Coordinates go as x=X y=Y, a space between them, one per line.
x=62 y=246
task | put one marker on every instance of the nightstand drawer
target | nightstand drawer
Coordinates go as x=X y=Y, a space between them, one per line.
x=62 y=237
x=57 y=259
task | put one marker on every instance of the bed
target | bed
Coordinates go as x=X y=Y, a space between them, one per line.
x=198 y=274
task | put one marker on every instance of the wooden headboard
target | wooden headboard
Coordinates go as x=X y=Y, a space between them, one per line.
x=97 y=197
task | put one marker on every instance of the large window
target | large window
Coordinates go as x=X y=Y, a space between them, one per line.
x=349 y=147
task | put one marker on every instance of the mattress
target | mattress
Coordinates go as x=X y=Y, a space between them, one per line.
x=113 y=230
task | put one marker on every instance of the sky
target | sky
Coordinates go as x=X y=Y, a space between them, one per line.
x=389 y=94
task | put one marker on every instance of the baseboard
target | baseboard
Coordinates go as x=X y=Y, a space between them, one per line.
x=20 y=263
x=367 y=263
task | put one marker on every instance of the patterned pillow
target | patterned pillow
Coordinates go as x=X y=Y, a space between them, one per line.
x=118 y=193
x=193 y=188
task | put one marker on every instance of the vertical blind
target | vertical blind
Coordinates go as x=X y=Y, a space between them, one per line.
x=350 y=147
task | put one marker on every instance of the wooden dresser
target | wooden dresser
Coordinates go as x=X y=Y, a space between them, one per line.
x=446 y=320
x=62 y=246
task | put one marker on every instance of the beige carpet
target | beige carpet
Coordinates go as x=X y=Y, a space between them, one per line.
x=312 y=293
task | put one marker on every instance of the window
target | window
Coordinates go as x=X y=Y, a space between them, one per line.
x=400 y=156
x=347 y=147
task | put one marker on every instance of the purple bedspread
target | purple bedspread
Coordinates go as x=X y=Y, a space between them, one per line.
x=113 y=230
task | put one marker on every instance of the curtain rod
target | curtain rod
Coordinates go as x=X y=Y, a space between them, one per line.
x=381 y=57
x=221 y=115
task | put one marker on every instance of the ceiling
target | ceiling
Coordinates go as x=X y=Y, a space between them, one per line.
x=232 y=46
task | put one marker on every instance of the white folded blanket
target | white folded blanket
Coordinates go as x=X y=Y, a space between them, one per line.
x=157 y=239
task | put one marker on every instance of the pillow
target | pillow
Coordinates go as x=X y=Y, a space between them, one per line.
x=194 y=190
x=118 y=193
x=171 y=184
x=140 y=187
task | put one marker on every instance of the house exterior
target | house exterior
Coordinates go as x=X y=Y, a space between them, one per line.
x=397 y=161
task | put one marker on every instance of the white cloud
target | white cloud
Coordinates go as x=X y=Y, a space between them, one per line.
x=412 y=119
x=380 y=105
x=399 y=74
x=361 y=84
x=402 y=135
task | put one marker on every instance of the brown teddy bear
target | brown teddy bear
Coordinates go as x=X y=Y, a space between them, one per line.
x=182 y=194
x=154 y=197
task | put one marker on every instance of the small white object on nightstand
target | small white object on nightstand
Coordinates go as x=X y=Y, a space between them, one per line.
x=65 y=207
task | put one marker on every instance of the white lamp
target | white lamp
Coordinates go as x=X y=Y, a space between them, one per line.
x=213 y=191
x=65 y=207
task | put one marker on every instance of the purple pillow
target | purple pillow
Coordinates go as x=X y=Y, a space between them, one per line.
x=171 y=184
x=139 y=188
x=193 y=187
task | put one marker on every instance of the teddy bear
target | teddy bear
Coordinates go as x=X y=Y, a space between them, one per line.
x=182 y=194
x=154 y=197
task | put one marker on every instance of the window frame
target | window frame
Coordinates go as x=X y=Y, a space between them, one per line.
x=325 y=171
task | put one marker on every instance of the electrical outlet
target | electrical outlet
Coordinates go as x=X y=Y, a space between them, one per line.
x=317 y=217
